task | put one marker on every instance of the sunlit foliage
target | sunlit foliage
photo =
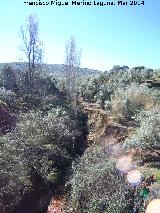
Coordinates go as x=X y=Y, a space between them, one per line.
x=96 y=184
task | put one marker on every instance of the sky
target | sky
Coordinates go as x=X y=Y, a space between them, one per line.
x=106 y=35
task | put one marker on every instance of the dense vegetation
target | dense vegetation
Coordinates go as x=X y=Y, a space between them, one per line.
x=95 y=180
x=47 y=146
x=44 y=131
x=36 y=155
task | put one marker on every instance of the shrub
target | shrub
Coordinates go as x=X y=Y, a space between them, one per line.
x=88 y=88
x=96 y=184
x=155 y=192
x=103 y=94
x=13 y=101
x=38 y=152
x=48 y=137
x=14 y=181
x=8 y=78
x=129 y=101
x=100 y=88
x=147 y=136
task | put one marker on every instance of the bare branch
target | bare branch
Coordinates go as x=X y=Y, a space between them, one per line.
x=32 y=47
x=72 y=62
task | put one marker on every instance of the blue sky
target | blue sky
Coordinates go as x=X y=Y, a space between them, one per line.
x=109 y=35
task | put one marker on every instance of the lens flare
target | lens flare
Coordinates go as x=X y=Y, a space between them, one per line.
x=134 y=177
x=154 y=206
x=124 y=164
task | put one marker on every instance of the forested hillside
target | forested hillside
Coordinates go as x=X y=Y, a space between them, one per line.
x=57 y=70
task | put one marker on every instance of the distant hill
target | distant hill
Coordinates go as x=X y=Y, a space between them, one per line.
x=52 y=69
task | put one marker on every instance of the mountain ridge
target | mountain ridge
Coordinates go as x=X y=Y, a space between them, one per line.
x=56 y=69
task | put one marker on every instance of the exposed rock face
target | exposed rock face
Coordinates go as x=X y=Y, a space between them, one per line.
x=7 y=120
x=103 y=127
x=97 y=120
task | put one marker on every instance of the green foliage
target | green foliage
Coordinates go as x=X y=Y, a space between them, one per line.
x=149 y=170
x=96 y=184
x=13 y=101
x=46 y=96
x=124 y=75
x=129 y=101
x=88 y=88
x=42 y=145
x=41 y=149
x=147 y=136
x=53 y=176
x=8 y=79
x=14 y=181
x=100 y=88
x=15 y=81
x=103 y=94
x=155 y=192
x=51 y=135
